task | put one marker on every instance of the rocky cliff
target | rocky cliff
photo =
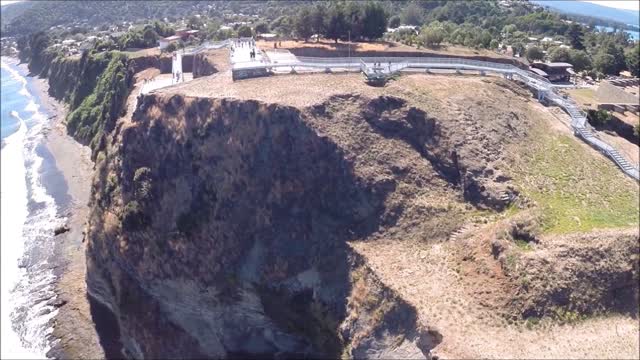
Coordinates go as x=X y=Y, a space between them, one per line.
x=226 y=227
x=220 y=228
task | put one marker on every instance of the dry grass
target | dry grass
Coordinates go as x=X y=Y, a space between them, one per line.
x=382 y=46
x=585 y=97
x=142 y=52
x=326 y=44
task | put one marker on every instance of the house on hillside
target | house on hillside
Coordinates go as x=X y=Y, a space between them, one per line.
x=267 y=36
x=555 y=72
x=185 y=34
x=164 y=42
x=404 y=28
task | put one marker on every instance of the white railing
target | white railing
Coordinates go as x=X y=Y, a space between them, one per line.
x=579 y=117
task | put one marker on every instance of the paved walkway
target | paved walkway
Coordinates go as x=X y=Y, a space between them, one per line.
x=241 y=54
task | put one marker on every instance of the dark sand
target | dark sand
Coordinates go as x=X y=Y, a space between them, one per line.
x=73 y=325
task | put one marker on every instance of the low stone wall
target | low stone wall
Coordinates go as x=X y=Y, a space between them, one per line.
x=634 y=108
x=238 y=74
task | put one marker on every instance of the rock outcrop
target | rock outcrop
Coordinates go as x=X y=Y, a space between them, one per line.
x=220 y=228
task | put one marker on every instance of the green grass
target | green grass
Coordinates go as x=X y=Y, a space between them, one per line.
x=585 y=96
x=521 y=244
x=576 y=189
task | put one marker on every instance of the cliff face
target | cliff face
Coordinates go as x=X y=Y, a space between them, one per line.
x=220 y=228
x=96 y=86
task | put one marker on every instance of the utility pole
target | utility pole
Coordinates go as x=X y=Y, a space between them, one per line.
x=349 y=32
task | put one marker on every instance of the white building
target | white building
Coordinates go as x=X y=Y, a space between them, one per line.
x=164 y=42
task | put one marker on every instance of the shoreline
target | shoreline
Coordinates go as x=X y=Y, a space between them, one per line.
x=74 y=334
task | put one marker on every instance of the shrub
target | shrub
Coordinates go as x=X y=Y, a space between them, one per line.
x=133 y=217
x=142 y=183
x=244 y=31
x=102 y=101
x=170 y=48
x=598 y=117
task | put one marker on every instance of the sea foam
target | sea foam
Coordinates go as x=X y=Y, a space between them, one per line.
x=29 y=215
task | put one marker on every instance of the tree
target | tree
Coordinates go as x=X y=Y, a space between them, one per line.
x=494 y=44
x=374 y=21
x=579 y=59
x=150 y=36
x=575 y=35
x=354 y=17
x=194 y=22
x=604 y=63
x=302 y=25
x=394 y=21
x=413 y=14
x=484 y=39
x=518 y=48
x=337 y=24
x=283 y=25
x=162 y=29
x=431 y=36
x=609 y=58
x=170 y=48
x=318 y=20
x=560 y=54
x=509 y=30
x=261 y=28
x=598 y=117
x=534 y=53
x=245 y=31
x=632 y=57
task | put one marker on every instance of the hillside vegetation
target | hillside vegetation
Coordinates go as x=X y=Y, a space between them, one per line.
x=101 y=105
x=574 y=192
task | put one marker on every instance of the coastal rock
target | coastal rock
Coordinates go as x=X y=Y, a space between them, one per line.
x=61 y=229
x=57 y=302
x=230 y=238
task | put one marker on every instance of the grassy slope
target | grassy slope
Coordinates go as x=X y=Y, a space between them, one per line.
x=584 y=96
x=575 y=189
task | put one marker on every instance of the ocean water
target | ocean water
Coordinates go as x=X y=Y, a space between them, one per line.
x=634 y=35
x=29 y=216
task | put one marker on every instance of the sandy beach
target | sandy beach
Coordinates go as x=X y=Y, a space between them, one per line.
x=74 y=334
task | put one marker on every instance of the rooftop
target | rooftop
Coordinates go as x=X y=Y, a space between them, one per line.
x=172 y=38
x=558 y=64
x=538 y=71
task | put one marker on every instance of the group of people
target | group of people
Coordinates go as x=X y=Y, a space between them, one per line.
x=241 y=43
